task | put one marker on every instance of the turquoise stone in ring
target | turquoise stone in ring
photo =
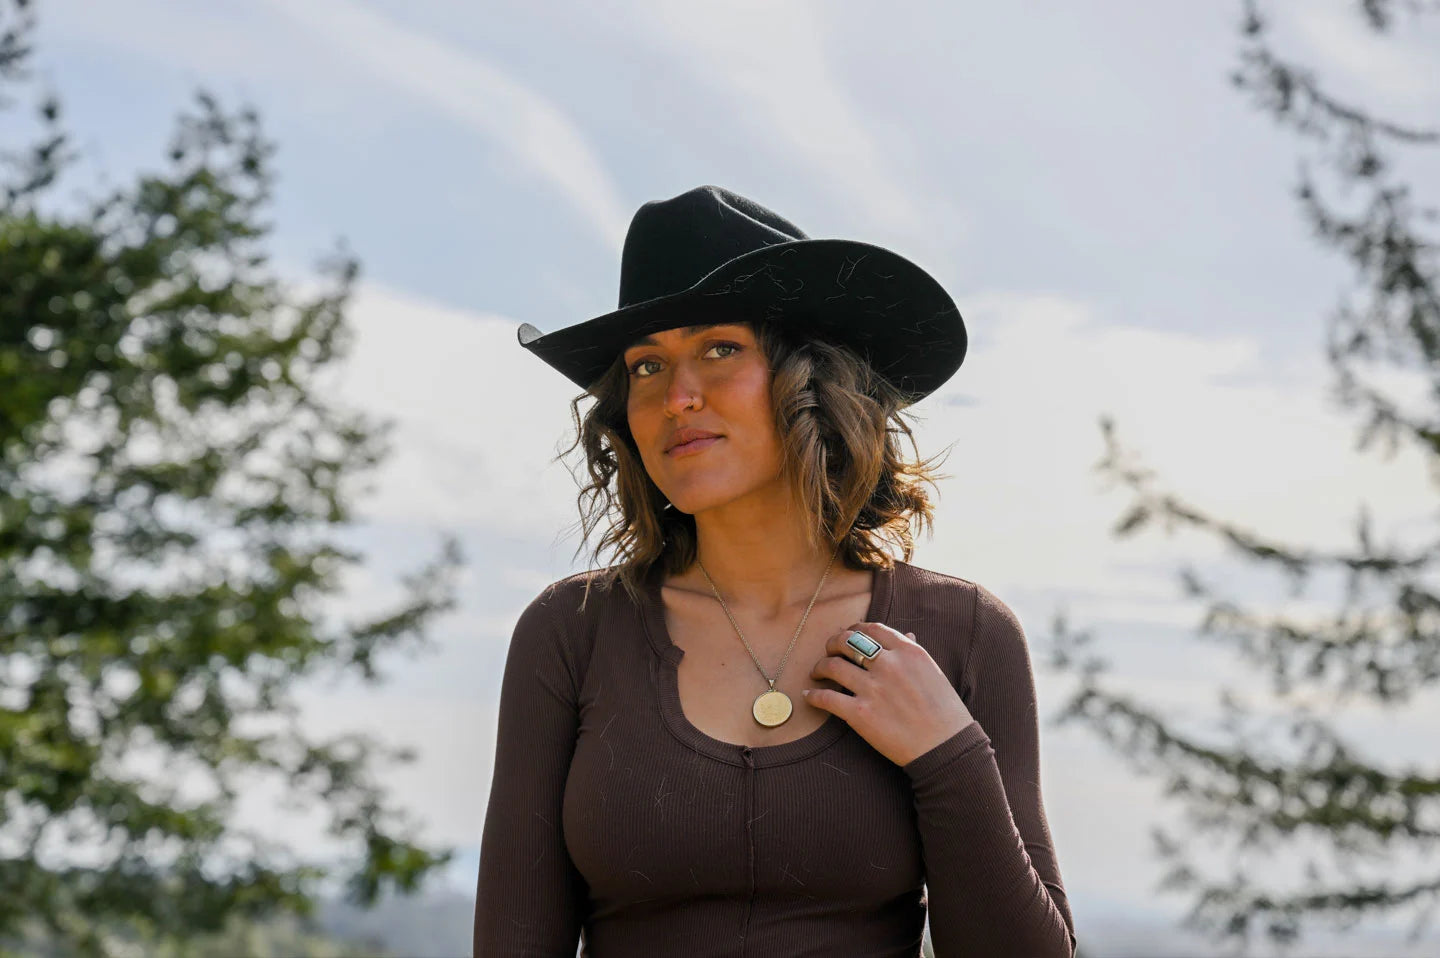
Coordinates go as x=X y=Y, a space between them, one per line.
x=863 y=644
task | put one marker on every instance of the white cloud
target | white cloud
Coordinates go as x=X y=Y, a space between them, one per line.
x=1261 y=448
x=449 y=782
x=1398 y=64
x=479 y=419
x=540 y=138
x=543 y=140
x=770 y=59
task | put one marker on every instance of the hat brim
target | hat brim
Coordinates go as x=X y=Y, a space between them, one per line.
x=874 y=300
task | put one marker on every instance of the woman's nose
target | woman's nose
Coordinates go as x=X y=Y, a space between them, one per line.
x=682 y=393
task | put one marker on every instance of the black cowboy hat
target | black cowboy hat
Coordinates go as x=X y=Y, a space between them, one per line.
x=710 y=255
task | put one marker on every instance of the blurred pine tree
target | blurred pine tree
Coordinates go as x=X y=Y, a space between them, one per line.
x=170 y=484
x=1329 y=792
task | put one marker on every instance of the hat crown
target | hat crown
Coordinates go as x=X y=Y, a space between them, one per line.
x=672 y=244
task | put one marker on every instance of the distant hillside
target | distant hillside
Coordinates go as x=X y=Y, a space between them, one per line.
x=282 y=937
x=437 y=924
x=433 y=924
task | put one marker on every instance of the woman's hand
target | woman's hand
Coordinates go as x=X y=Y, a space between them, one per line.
x=903 y=704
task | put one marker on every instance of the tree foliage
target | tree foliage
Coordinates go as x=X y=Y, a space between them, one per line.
x=172 y=486
x=1386 y=651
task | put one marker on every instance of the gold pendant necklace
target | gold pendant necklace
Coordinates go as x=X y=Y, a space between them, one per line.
x=772 y=707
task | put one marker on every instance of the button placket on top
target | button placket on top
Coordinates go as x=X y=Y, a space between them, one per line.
x=746 y=754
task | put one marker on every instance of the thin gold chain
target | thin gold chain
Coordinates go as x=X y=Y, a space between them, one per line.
x=798 y=629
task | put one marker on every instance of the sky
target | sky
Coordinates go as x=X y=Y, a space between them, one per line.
x=1114 y=220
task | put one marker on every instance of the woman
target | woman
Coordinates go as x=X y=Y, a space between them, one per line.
x=774 y=738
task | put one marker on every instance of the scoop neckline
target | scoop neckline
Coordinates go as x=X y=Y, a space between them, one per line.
x=881 y=593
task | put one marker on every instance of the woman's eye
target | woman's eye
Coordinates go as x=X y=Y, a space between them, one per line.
x=635 y=366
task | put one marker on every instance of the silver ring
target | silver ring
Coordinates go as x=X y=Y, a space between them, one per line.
x=865 y=648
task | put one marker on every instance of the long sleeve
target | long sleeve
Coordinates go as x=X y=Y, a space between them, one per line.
x=530 y=898
x=992 y=878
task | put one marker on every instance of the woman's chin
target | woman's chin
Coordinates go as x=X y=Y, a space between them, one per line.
x=697 y=504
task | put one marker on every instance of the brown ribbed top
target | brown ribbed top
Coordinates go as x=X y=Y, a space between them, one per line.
x=612 y=817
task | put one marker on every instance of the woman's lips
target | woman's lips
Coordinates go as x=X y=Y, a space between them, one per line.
x=693 y=446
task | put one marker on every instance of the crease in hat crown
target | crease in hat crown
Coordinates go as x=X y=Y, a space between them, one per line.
x=673 y=244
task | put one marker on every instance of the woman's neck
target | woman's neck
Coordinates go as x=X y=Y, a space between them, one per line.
x=767 y=585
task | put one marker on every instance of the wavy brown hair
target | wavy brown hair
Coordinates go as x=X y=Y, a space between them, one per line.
x=839 y=424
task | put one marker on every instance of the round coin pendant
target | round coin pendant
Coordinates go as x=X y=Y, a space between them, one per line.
x=772 y=708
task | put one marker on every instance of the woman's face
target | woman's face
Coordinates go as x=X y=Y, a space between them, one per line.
x=713 y=378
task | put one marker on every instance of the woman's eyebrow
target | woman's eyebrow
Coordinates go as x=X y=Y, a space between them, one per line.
x=687 y=331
